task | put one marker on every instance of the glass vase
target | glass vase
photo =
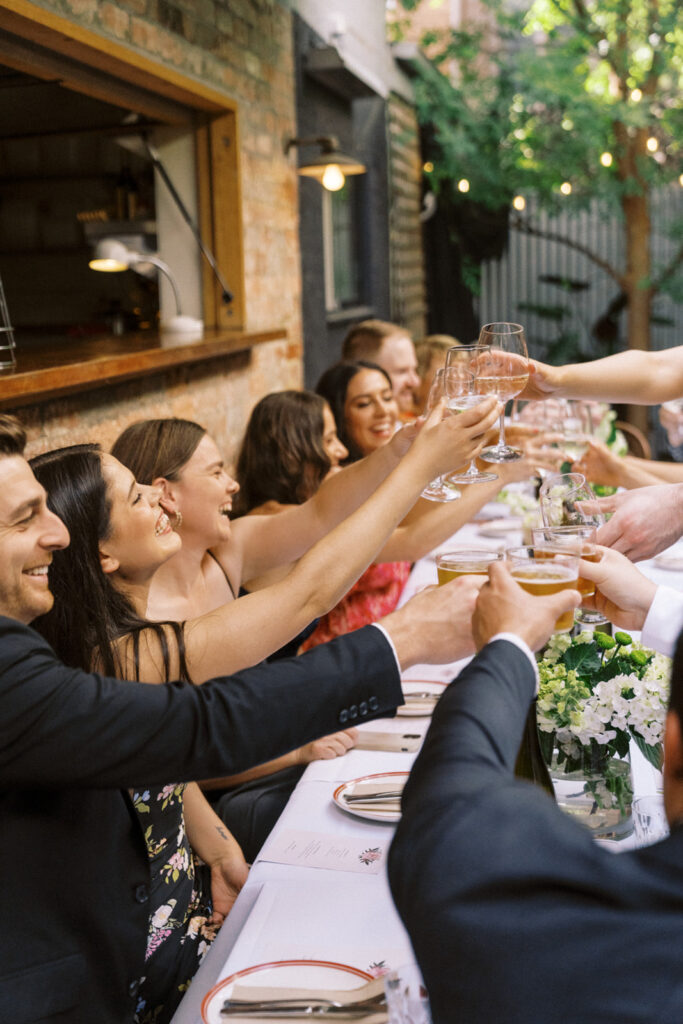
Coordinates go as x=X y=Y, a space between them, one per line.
x=596 y=789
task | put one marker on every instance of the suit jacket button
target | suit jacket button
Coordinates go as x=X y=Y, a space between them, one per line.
x=141 y=893
x=343 y=716
x=133 y=988
x=353 y=711
x=373 y=704
x=363 y=707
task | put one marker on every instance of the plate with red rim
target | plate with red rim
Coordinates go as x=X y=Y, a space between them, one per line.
x=420 y=709
x=325 y=975
x=396 y=780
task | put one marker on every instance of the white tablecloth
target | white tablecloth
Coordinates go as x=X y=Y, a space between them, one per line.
x=287 y=911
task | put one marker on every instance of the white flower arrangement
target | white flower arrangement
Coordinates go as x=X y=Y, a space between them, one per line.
x=596 y=693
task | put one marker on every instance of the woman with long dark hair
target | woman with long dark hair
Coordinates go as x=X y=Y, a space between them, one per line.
x=196 y=867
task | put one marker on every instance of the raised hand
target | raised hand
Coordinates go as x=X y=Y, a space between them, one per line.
x=623 y=595
x=645 y=521
x=503 y=607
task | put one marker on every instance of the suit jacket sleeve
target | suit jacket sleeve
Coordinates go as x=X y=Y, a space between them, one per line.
x=64 y=727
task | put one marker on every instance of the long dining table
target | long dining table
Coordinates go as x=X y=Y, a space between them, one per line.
x=296 y=907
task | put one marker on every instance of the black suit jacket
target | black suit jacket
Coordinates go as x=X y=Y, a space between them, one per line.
x=516 y=915
x=73 y=865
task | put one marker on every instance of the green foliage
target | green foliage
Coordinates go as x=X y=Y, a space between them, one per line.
x=538 y=104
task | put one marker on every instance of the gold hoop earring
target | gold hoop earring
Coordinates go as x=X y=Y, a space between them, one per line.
x=178 y=520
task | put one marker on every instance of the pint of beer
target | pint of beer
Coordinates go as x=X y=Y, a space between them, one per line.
x=465 y=562
x=543 y=571
x=580 y=540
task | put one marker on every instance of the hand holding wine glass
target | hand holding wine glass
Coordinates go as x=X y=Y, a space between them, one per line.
x=560 y=498
x=502 y=369
x=460 y=385
x=438 y=489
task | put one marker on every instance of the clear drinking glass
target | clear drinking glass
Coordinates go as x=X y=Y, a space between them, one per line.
x=560 y=497
x=465 y=562
x=582 y=540
x=544 y=571
x=503 y=371
x=461 y=395
x=649 y=820
x=439 y=489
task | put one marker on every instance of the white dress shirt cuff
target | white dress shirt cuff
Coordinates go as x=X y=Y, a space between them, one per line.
x=664 y=621
x=390 y=642
x=524 y=647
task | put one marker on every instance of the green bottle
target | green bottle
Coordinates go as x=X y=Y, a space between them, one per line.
x=530 y=763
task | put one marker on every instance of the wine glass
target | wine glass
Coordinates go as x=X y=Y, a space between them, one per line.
x=502 y=370
x=560 y=497
x=462 y=393
x=438 y=489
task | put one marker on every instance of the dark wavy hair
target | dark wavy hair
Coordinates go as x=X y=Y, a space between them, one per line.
x=154 y=448
x=89 y=614
x=282 y=456
x=333 y=386
x=12 y=435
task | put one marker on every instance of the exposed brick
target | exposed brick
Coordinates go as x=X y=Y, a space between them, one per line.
x=114 y=19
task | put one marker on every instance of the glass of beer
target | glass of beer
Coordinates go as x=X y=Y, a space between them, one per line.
x=543 y=570
x=465 y=562
x=582 y=540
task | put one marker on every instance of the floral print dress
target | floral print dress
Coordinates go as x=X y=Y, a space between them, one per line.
x=180 y=904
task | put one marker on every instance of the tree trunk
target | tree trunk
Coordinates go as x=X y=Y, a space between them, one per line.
x=637 y=277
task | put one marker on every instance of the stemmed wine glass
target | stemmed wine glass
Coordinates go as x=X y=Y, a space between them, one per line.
x=502 y=370
x=439 y=489
x=461 y=393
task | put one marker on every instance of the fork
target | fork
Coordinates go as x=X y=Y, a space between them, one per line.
x=318 y=1007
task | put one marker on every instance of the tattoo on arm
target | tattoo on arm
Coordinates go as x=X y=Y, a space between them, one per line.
x=221 y=832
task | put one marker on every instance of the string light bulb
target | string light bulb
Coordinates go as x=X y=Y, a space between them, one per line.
x=636 y=95
x=606 y=159
x=652 y=144
x=566 y=188
x=463 y=185
x=519 y=203
x=428 y=167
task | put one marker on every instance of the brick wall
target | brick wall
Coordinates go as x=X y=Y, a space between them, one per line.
x=244 y=49
x=408 y=290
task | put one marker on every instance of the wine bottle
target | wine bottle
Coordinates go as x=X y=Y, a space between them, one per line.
x=530 y=763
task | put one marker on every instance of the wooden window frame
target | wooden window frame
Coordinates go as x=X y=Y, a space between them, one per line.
x=44 y=44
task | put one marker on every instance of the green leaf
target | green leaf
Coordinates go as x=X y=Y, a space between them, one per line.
x=652 y=753
x=583 y=658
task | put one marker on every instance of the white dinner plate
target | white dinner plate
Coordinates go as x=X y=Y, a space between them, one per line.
x=420 y=710
x=501 y=527
x=397 y=778
x=297 y=974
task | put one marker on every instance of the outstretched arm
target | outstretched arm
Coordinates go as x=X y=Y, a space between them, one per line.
x=264 y=543
x=642 y=378
x=646 y=520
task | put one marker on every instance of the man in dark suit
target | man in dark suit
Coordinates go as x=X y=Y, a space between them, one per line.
x=516 y=915
x=73 y=864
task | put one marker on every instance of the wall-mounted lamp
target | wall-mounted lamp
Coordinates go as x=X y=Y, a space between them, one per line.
x=111 y=255
x=331 y=168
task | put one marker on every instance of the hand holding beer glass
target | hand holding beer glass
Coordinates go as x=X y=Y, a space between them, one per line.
x=543 y=570
x=581 y=540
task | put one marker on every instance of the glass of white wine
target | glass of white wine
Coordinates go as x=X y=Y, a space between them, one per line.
x=502 y=370
x=439 y=489
x=462 y=393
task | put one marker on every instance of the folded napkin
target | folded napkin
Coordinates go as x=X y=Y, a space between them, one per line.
x=424 y=706
x=396 y=741
x=348 y=995
x=389 y=805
